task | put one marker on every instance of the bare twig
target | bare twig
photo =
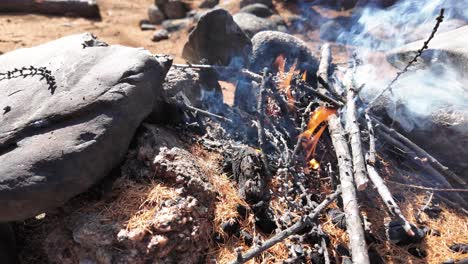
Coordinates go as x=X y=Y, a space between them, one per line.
x=357 y=242
x=298 y=226
x=421 y=153
x=371 y=158
x=223 y=69
x=387 y=197
x=203 y=112
x=352 y=127
x=428 y=188
x=439 y=20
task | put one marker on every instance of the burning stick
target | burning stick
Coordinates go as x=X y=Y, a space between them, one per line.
x=357 y=242
x=352 y=127
x=298 y=226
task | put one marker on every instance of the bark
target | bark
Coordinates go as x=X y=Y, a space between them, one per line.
x=357 y=242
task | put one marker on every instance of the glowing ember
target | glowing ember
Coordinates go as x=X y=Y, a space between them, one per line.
x=313 y=164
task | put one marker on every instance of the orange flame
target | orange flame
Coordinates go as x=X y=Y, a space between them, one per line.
x=285 y=84
x=318 y=117
x=280 y=63
x=313 y=164
x=304 y=76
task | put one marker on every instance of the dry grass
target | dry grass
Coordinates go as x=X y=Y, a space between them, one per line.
x=452 y=226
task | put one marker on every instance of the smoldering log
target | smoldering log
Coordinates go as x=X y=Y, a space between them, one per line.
x=83 y=8
x=298 y=226
x=352 y=127
x=354 y=227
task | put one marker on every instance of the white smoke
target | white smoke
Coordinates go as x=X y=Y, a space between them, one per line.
x=424 y=91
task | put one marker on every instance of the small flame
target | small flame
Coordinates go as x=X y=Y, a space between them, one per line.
x=318 y=117
x=285 y=84
x=304 y=76
x=313 y=164
x=280 y=63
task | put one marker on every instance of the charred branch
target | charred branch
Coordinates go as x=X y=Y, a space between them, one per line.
x=184 y=106
x=354 y=226
x=298 y=226
x=261 y=121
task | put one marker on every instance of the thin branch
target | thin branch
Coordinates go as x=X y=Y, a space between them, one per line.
x=298 y=226
x=428 y=188
x=439 y=20
x=203 y=112
x=357 y=242
x=261 y=121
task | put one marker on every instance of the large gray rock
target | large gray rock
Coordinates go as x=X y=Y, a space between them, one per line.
x=173 y=9
x=217 y=39
x=63 y=133
x=252 y=24
x=433 y=108
x=447 y=48
x=268 y=45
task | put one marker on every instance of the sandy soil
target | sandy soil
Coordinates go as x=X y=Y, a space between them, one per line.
x=119 y=25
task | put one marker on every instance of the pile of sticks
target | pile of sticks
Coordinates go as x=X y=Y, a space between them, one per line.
x=356 y=159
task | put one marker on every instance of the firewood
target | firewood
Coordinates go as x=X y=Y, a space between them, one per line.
x=352 y=128
x=354 y=227
x=298 y=226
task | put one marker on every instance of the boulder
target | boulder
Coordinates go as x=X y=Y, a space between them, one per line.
x=155 y=15
x=252 y=24
x=244 y=3
x=433 y=110
x=446 y=48
x=258 y=9
x=70 y=123
x=268 y=45
x=217 y=39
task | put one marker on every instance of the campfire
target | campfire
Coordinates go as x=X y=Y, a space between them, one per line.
x=304 y=166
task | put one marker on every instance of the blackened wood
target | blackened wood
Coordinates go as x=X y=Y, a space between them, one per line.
x=295 y=228
x=354 y=228
x=261 y=122
x=84 y=8
x=352 y=127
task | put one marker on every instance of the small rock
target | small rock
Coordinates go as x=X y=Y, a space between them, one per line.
x=398 y=235
x=460 y=248
x=146 y=25
x=209 y=3
x=155 y=15
x=257 y=9
x=244 y=3
x=172 y=25
x=218 y=40
x=160 y=34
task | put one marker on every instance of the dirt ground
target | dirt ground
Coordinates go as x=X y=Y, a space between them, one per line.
x=119 y=25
